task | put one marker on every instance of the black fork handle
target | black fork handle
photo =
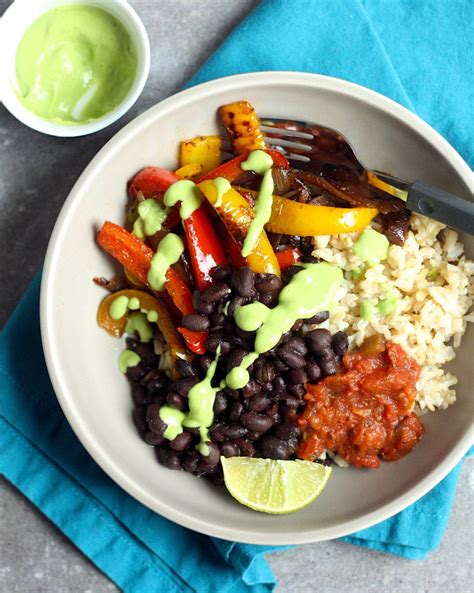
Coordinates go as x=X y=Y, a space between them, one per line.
x=442 y=206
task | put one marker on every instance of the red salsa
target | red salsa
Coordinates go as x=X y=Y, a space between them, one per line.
x=365 y=412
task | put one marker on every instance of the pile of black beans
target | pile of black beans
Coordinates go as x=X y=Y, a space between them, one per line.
x=257 y=420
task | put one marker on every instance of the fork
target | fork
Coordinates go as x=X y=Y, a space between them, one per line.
x=317 y=145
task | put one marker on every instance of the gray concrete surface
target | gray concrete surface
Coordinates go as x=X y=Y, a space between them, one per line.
x=36 y=173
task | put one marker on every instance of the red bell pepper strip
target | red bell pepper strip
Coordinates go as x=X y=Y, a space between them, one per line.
x=204 y=247
x=288 y=257
x=231 y=169
x=235 y=252
x=151 y=182
x=194 y=340
x=136 y=257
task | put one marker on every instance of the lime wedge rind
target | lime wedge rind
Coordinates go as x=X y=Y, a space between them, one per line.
x=273 y=486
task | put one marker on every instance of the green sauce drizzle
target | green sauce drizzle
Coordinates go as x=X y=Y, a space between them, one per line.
x=201 y=401
x=152 y=315
x=174 y=419
x=260 y=162
x=137 y=322
x=239 y=376
x=186 y=192
x=118 y=307
x=371 y=247
x=168 y=253
x=310 y=291
x=367 y=310
x=222 y=186
x=127 y=359
x=151 y=217
x=74 y=64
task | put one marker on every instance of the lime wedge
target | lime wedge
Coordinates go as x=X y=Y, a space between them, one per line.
x=271 y=486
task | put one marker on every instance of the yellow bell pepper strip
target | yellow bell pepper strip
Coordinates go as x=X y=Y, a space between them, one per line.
x=306 y=220
x=243 y=127
x=203 y=150
x=116 y=327
x=237 y=214
x=191 y=171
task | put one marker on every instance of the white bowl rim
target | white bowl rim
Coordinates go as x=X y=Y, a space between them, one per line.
x=66 y=400
x=134 y=27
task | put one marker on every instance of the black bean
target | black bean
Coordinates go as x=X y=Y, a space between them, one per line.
x=137 y=372
x=273 y=448
x=265 y=373
x=195 y=322
x=190 y=461
x=203 y=468
x=298 y=377
x=216 y=292
x=151 y=438
x=251 y=388
x=234 y=431
x=229 y=449
x=221 y=272
x=340 y=343
x=183 y=386
x=259 y=403
x=218 y=434
x=168 y=458
x=288 y=274
x=273 y=413
x=185 y=368
x=286 y=431
x=205 y=362
x=306 y=245
x=278 y=385
x=236 y=410
x=293 y=402
x=139 y=418
x=245 y=446
x=217 y=320
x=253 y=435
x=280 y=365
x=297 y=344
x=226 y=346
x=175 y=400
x=285 y=337
x=213 y=342
x=296 y=390
x=257 y=422
x=220 y=403
x=237 y=301
x=267 y=283
x=146 y=352
x=140 y=395
x=235 y=358
x=201 y=306
x=232 y=393
x=328 y=364
x=131 y=343
x=319 y=340
x=268 y=298
x=297 y=325
x=213 y=456
x=240 y=333
x=320 y=317
x=181 y=442
x=313 y=370
x=243 y=282
x=293 y=359
x=155 y=423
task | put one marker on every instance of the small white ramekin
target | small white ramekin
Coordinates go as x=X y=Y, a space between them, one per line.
x=13 y=24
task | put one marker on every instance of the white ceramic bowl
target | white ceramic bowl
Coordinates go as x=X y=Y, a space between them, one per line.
x=82 y=359
x=13 y=24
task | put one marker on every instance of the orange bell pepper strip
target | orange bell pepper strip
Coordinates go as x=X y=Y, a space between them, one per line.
x=288 y=257
x=231 y=169
x=116 y=327
x=237 y=214
x=306 y=220
x=136 y=257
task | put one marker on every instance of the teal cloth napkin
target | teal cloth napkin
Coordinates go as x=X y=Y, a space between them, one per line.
x=381 y=44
